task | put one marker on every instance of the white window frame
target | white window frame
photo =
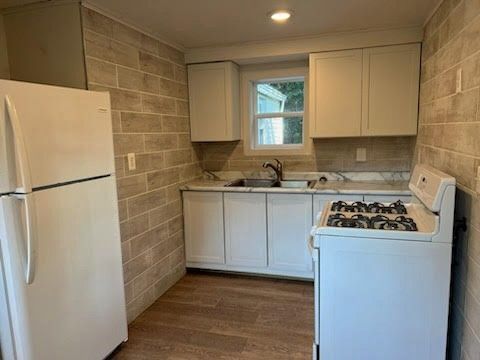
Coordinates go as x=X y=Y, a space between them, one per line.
x=249 y=79
x=256 y=116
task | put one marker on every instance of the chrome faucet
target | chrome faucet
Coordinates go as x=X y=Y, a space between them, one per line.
x=278 y=168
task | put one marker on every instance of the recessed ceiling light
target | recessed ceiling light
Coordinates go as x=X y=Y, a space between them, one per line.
x=280 y=15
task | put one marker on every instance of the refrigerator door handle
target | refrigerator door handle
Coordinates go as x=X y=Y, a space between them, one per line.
x=31 y=231
x=20 y=149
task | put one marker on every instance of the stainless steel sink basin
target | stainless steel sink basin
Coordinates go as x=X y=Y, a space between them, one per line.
x=252 y=183
x=295 y=184
x=266 y=183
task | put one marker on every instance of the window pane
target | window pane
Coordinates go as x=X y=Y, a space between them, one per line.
x=284 y=96
x=280 y=131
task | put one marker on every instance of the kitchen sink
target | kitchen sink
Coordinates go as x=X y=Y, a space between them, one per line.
x=267 y=183
x=295 y=184
x=252 y=183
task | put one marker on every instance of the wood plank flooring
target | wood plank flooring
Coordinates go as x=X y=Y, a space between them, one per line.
x=218 y=316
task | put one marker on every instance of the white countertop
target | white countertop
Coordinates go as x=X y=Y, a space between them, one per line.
x=329 y=187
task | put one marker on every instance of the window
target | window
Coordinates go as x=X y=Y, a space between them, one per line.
x=274 y=107
x=278 y=112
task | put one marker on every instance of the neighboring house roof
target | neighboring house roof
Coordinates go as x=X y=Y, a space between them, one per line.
x=271 y=92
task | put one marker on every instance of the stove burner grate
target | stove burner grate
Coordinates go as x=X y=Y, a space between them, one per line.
x=394 y=208
x=357 y=206
x=356 y=221
x=377 y=222
x=378 y=208
x=401 y=223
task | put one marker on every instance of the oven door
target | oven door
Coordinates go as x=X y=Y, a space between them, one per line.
x=382 y=298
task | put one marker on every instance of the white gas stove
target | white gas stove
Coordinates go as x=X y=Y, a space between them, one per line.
x=382 y=274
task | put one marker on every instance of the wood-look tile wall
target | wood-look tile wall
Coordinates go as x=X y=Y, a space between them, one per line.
x=147 y=84
x=383 y=154
x=449 y=139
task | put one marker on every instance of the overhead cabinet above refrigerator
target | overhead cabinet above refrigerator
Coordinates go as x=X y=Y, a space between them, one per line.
x=365 y=92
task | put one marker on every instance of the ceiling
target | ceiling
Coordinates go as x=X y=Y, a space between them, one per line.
x=195 y=23
x=10 y=3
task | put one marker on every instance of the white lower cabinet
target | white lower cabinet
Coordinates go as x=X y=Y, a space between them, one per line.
x=203 y=217
x=256 y=232
x=245 y=217
x=289 y=218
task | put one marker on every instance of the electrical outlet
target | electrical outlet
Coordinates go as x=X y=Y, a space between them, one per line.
x=361 y=154
x=132 y=165
x=458 y=82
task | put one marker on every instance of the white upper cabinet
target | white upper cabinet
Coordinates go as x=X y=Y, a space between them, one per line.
x=365 y=92
x=336 y=93
x=214 y=101
x=390 y=93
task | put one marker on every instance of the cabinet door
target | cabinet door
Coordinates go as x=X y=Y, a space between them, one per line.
x=289 y=223
x=387 y=198
x=245 y=229
x=390 y=90
x=214 y=101
x=336 y=93
x=203 y=214
x=320 y=200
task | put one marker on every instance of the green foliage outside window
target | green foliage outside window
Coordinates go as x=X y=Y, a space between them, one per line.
x=293 y=129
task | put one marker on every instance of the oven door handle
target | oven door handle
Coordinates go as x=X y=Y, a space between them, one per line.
x=311 y=239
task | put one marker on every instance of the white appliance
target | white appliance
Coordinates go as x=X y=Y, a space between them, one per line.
x=382 y=275
x=61 y=281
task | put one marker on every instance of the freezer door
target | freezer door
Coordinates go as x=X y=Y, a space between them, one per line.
x=75 y=306
x=51 y=135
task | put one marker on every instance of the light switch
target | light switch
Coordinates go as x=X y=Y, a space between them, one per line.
x=361 y=154
x=131 y=161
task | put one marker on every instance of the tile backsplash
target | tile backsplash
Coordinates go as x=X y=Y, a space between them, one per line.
x=383 y=154
x=449 y=139
x=147 y=84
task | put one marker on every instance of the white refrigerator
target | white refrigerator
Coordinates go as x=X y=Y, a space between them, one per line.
x=61 y=280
